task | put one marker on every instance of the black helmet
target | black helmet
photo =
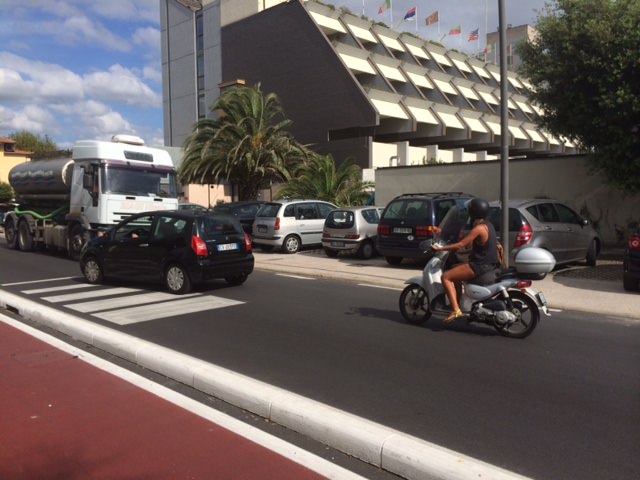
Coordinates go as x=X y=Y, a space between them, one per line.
x=478 y=208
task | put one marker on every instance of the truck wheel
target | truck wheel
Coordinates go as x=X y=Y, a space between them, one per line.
x=11 y=233
x=25 y=239
x=78 y=238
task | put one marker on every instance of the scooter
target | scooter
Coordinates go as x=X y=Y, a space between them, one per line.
x=502 y=298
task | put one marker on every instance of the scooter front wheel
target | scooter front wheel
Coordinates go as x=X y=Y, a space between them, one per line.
x=414 y=304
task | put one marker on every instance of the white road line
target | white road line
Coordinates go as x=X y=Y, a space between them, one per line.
x=253 y=434
x=129 y=300
x=91 y=294
x=36 y=281
x=59 y=288
x=144 y=313
x=379 y=286
x=294 y=276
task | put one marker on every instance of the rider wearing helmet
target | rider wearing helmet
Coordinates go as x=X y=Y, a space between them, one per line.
x=484 y=254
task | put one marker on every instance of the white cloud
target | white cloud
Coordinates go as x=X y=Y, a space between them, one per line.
x=148 y=38
x=121 y=85
x=31 y=118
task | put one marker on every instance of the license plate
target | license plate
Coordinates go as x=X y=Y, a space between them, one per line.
x=224 y=247
x=337 y=244
x=262 y=228
x=402 y=230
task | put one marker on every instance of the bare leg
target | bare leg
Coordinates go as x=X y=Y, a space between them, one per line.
x=450 y=278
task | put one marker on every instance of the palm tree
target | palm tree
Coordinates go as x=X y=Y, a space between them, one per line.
x=247 y=145
x=318 y=178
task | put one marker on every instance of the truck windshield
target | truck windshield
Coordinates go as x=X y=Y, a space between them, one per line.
x=137 y=181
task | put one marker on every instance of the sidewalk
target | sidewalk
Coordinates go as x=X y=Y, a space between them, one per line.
x=588 y=289
x=64 y=418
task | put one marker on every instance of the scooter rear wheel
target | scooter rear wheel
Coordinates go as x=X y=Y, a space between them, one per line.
x=528 y=315
x=414 y=305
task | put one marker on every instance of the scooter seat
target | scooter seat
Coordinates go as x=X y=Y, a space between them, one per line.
x=487 y=278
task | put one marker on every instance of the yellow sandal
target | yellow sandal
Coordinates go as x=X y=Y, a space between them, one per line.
x=453 y=317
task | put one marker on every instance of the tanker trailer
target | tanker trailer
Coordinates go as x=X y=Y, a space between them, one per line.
x=64 y=202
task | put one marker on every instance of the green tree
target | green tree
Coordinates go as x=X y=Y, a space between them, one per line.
x=31 y=142
x=248 y=144
x=6 y=192
x=319 y=178
x=585 y=70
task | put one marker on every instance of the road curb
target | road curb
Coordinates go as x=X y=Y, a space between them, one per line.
x=384 y=447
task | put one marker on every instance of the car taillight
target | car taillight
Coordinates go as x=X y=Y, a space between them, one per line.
x=524 y=235
x=383 y=229
x=352 y=236
x=276 y=226
x=199 y=246
x=426 y=231
x=634 y=243
x=247 y=243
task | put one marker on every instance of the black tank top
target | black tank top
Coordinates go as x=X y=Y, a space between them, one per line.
x=486 y=254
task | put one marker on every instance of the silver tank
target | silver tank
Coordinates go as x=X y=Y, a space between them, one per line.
x=42 y=178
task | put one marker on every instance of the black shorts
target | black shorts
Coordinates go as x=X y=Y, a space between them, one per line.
x=480 y=268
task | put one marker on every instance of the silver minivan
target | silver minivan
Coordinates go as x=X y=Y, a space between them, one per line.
x=290 y=224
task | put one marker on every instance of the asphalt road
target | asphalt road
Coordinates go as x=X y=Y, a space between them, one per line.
x=564 y=403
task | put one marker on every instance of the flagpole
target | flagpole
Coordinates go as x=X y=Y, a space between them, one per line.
x=415 y=17
x=363 y=8
x=391 y=11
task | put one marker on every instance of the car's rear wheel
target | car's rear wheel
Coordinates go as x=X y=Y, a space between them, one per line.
x=92 y=270
x=629 y=282
x=239 y=279
x=366 y=250
x=592 y=253
x=291 y=244
x=330 y=253
x=176 y=279
x=393 y=260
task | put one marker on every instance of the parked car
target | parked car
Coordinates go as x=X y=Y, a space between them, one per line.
x=631 y=262
x=290 y=224
x=192 y=206
x=244 y=211
x=411 y=218
x=178 y=247
x=351 y=230
x=551 y=225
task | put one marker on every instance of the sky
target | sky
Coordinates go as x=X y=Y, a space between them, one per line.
x=90 y=69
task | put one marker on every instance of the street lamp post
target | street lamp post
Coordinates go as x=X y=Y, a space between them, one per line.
x=504 y=130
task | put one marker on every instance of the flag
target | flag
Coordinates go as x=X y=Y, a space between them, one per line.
x=473 y=35
x=410 y=14
x=455 y=30
x=386 y=5
x=433 y=18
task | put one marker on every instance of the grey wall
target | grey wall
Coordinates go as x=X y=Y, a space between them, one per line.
x=566 y=179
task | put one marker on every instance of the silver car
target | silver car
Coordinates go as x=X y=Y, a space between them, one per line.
x=290 y=224
x=551 y=225
x=352 y=230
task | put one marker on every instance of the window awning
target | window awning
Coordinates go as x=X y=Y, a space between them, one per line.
x=475 y=125
x=481 y=72
x=389 y=109
x=451 y=121
x=462 y=66
x=419 y=80
x=417 y=51
x=524 y=106
x=494 y=127
x=490 y=99
x=362 y=33
x=357 y=64
x=391 y=73
x=468 y=92
x=423 y=115
x=392 y=43
x=328 y=22
x=535 y=136
x=517 y=132
x=441 y=59
x=515 y=82
x=445 y=86
x=495 y=75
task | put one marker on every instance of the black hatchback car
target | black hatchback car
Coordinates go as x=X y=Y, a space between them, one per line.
x=631 y=262
x=177 y=247
x=409 y=219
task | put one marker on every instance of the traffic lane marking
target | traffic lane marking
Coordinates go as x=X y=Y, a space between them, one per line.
x=126 y=301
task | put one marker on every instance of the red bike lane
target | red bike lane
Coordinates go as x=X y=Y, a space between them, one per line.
x=63 y=418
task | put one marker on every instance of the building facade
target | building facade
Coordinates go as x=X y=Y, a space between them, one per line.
x=352 y=87
x=10 y=157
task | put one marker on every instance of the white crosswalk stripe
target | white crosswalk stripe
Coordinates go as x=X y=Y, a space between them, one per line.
x=125 y=306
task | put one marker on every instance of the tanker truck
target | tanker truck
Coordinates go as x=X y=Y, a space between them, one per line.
x=63 y=202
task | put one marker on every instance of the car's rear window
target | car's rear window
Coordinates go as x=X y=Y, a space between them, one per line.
x=408 y=209
x=340 y=219
x=371 y=215
x=211 y=227
x=515 y=219
x=269 y=210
